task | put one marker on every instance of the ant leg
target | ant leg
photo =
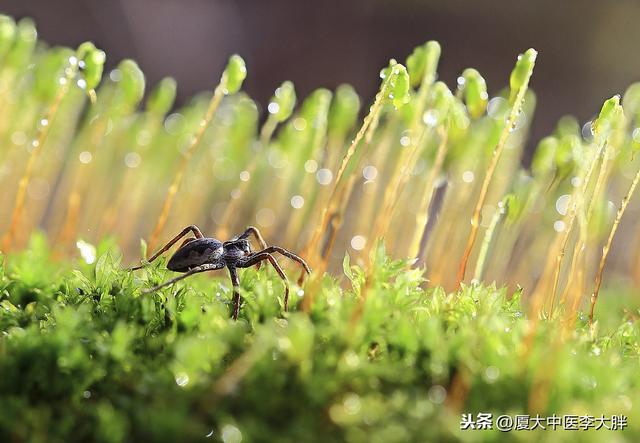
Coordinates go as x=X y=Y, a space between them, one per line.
x=253 y=230
x=197 y=269
x=235 y=281
x=290 y=255
x=193 y=228
x=260 y=256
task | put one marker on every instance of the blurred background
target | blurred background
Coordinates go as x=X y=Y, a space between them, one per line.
x=588 y=49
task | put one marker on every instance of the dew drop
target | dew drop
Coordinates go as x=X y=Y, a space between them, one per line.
x=115 y=75
x=87 y=251
x=587 y=131
x=369 y=172
x=182 y=379
x=468 y=176
x=358 y=242
x=132 y=160
x=273 y=108
x=559 y=226
x=437 y=394
x=85 y=157
x=245 y=176
x=231 y=434
x=324 y=176
x=562 y=204
x=576 y=181
x=430 y=118
x=297 y=201
x=299 y=124
x=311 y=166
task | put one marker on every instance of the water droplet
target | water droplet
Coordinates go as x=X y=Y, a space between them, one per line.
x=351 y=404
x=587 y=131
x=235 y=193
x=44 y=122
x=18 y=138
x=245 y=176
x=82 y=84
x=115 y=75
x=86 y=394
x=496 y=107
x=559 y=226
x=576 y=181
x=369 y=172
x=437 y=394
x=324 y=176
x=430 y=118
x=461 y=81
x=562 y=204
x=276 y=159
x=87 y=251
x=358 y=242
x=311 y=166
x=468 y=176
x=491 y=374
x=405 y=140
x=299 y=124
x=73 y=60
x=85 y=157
x=132 y=160
x=210 y=434
x=273 y=108
x=231 y=434
x=62 y=81
x=182 y=379
x=297 y=201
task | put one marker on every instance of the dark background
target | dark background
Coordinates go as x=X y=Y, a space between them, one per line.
x=588 y=49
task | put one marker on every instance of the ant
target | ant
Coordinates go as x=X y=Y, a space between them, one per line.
x=202 y=254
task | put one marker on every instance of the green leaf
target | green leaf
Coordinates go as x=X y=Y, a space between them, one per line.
x=611 y=115
x=343 y=113
x=234 y=74
x=399 y=85
x=49 y=70
x=423 y=62
x=161 y=99
x=474 y=90
x=132 y=82
x=283 y=101
x=24 y=44
x=521 y=73
x=7 y=34
x=92 y=64
x=544 y=157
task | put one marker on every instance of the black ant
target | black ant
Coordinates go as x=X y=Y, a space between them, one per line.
x=201 y=254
